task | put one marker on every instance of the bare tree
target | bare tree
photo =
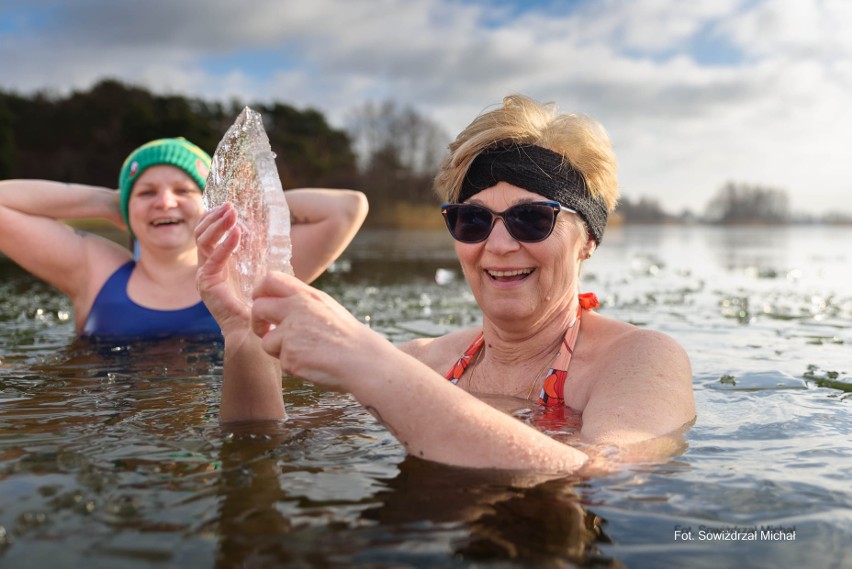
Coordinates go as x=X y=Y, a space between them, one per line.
x=643 y=210
x=418 y=143
x=398 y=154
x=743 y=203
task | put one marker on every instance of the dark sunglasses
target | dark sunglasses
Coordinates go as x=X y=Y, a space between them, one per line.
x=526 y=222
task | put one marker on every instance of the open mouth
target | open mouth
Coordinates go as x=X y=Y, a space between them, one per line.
x=509 y=276
x=166 y=222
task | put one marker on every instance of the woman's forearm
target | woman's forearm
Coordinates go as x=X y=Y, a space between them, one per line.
x=314 y=205
x=251 y=386
x=314 y=337
x=57 y=200
x=438 y=421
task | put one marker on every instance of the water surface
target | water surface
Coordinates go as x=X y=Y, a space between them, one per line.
x=112 y=455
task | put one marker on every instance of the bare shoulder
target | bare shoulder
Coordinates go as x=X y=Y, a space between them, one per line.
x=637 y=349
x=642 y=386
x=442 y=352
x=653 y=347
x=103 y=257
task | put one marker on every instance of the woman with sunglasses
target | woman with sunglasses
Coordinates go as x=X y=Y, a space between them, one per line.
x=117 y=296
x=528 y=195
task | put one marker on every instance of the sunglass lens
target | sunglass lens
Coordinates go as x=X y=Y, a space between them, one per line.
x=469 y=223
x=530 y=222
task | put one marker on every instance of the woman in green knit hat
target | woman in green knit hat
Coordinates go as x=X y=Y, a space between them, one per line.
x=159 y=201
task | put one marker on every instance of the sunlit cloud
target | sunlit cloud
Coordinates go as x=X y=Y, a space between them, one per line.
x=693 y=94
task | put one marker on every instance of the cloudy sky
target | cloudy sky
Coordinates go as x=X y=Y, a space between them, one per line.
x=694 y=93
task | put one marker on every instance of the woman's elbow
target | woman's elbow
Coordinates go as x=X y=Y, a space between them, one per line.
x=354 y=207
x=347 y=209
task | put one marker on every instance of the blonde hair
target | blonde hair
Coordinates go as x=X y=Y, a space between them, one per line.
x=581 y=140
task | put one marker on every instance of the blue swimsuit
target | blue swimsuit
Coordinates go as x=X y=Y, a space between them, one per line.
x=115 y=315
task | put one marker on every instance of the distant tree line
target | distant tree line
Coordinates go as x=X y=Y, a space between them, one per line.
x=85 y=136
x=733 y=204
x=643 y=210
x=748 y=204
x=388 y=151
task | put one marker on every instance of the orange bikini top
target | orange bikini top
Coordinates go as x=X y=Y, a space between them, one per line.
x=553 y=391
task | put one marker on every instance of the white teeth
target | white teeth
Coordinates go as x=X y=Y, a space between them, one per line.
x=165 y=221
x=497 y=274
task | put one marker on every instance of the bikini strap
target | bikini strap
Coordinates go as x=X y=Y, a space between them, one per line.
x=553 y=391
x=454 y=375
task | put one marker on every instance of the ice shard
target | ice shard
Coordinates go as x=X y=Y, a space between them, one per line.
x=244 y=173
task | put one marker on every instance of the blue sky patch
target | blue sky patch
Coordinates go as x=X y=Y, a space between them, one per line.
x=708 y=48
x=253 y=62
x=18 y=20
x=506 y=10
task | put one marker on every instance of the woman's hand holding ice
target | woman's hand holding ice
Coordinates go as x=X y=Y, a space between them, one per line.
x=251 y=389
x=312 y=335
x=217 y=236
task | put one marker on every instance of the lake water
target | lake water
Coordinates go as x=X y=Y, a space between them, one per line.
x=112 y=456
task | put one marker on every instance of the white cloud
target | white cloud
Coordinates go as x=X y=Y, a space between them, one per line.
x=681 y=128
x=655 y=26
x=792 y=28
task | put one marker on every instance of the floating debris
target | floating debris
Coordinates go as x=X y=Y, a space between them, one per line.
x=758 y=381
x=826 y=379
x=737 y=308
x=445 y=276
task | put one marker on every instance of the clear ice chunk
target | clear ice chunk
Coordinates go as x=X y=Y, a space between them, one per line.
x=244 y=173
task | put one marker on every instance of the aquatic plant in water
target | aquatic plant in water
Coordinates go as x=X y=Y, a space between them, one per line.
x=244 y=173
x=830 y=379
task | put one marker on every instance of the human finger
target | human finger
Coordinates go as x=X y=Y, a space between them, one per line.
x=214 y=224
x=210 y=238
x=277 y=284
x=267 y=313
x=222 y=252
x=207 y=218
x=272 y=342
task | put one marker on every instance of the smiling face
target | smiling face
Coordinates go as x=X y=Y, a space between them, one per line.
x=165 y=206
x=522 y=284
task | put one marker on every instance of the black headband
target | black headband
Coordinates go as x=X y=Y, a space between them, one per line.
x=538 y=170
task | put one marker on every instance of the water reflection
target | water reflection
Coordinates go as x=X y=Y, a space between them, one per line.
x=503 y=515
x=483 y=515
x=755 y=248
x=252 y=532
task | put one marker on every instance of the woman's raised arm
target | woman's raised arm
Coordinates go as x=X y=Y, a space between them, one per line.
x=58 y=200
x=33 y=236
x=323 y=223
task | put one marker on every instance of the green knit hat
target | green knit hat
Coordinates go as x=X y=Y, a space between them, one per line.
x=177 y=152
